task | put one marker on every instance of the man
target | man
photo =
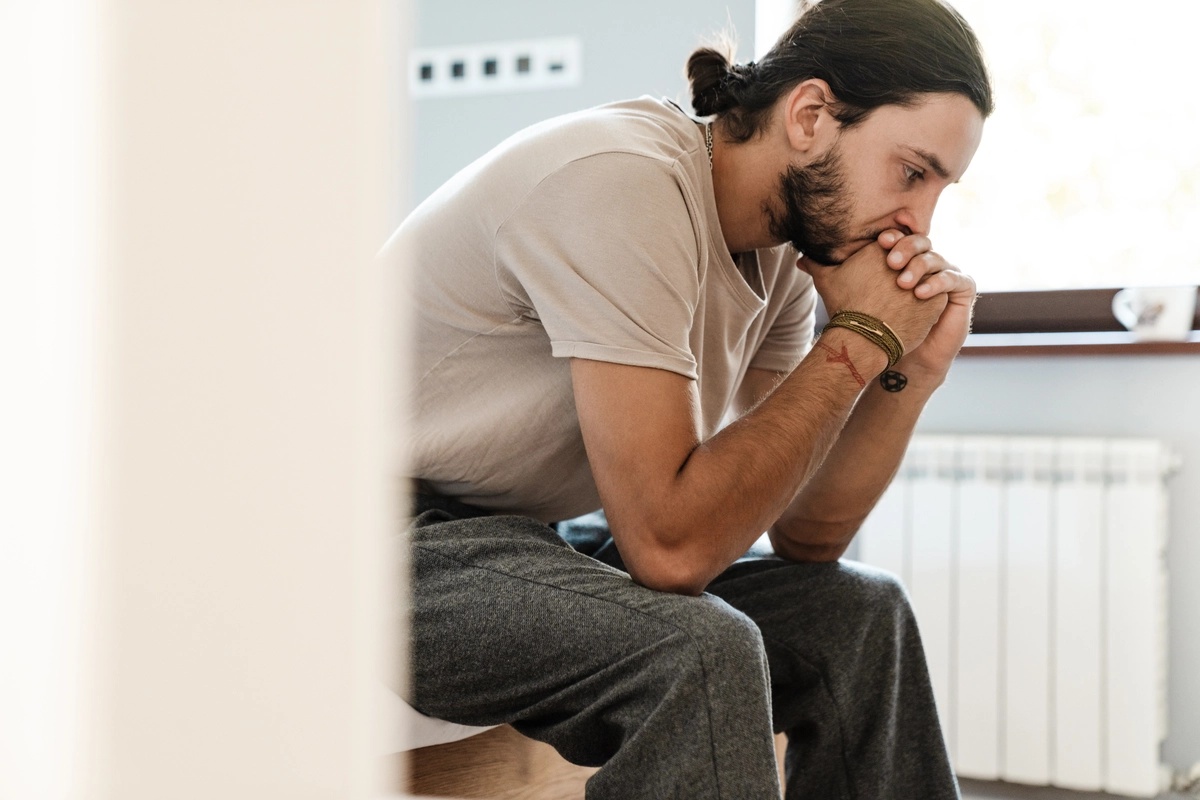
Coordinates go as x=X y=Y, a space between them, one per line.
x=593 y=299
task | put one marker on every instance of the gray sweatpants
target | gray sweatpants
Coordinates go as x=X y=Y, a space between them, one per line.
x=674 y=696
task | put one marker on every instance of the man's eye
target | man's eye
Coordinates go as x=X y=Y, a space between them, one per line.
x=912 y=175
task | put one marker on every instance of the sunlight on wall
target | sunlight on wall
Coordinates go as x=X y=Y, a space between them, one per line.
x=1089 y=172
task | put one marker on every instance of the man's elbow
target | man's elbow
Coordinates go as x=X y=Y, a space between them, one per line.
x=658 y=563
x=827 y=544
x=814 y=553
x=669 y=580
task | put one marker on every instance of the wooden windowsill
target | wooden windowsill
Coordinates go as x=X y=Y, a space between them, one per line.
x=1101 y=343
x=1059 y=322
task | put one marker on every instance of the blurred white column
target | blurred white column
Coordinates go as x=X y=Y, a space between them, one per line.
x=201 y=366
x=47 y=275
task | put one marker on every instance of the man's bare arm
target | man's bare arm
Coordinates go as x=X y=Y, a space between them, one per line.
x=821 y=522
x=682 y=509
x=831 y=506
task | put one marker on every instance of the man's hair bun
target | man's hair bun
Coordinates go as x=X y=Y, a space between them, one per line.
x=708 y=72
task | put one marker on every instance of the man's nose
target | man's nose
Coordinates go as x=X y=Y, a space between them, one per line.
x=917 y=217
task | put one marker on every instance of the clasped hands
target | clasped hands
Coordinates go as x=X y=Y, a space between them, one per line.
x=928 y=303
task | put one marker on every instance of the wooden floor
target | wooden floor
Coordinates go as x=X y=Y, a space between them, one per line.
x=500 y=764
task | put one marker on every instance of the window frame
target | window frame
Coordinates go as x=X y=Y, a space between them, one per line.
x=1060 y=322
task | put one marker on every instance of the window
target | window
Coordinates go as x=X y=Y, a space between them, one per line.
x=1089 y=171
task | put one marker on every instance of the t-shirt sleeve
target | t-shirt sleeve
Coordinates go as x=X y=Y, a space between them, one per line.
x=603 y=253
x=794 y=308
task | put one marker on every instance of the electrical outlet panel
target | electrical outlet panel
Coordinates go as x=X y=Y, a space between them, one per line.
x=514 y=66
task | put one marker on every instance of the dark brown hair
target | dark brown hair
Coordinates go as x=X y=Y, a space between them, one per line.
x=870 y=52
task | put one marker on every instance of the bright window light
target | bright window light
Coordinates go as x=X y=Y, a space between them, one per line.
x=1089 y=171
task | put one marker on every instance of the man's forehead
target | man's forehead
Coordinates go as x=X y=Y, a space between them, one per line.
x=941 y=132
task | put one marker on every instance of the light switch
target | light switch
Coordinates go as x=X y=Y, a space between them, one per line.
x=515 y=66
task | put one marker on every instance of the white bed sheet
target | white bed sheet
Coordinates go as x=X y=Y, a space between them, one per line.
x=405 y=728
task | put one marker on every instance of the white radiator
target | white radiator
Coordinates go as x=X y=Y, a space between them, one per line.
x=1036 y=569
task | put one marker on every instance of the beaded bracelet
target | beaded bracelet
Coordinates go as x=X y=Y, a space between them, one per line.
x=871 y=328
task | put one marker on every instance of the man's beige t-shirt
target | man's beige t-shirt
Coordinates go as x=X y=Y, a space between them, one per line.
x=594 y=235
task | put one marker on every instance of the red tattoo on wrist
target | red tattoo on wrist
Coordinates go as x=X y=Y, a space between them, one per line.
x=843 y=357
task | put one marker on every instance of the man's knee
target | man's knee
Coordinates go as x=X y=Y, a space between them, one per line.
x=726 y=627
x=717 y=640
x=875 y=581
x=879 y=594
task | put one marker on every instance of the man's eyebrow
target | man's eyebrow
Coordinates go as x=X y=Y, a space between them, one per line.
x=930 y=159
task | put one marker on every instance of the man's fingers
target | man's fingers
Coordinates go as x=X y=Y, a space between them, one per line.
x=959 y=286
x=890 y=237
x=919 y=267
x=906 y=249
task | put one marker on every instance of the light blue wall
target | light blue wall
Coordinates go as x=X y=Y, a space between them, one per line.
x=1152 y=396
x=630 y=48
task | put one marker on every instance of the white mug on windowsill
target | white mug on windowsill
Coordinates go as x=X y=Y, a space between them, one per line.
x=1156 y=313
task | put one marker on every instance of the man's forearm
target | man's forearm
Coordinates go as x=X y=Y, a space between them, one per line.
x=821 y=521
x=679 y=523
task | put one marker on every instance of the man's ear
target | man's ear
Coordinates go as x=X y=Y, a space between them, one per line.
x=808 y=118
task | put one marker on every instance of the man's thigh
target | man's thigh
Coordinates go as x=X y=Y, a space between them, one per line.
x=849 y=680
x=817 y=619
x=510 y=624
x=817 y=600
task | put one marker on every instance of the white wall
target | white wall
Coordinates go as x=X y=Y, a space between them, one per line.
x=1151 y=396
x=203 y=471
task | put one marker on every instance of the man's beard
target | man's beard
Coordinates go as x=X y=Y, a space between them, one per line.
x=816 y=208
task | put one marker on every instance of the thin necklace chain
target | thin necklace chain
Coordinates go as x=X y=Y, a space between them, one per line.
x=708 y=142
